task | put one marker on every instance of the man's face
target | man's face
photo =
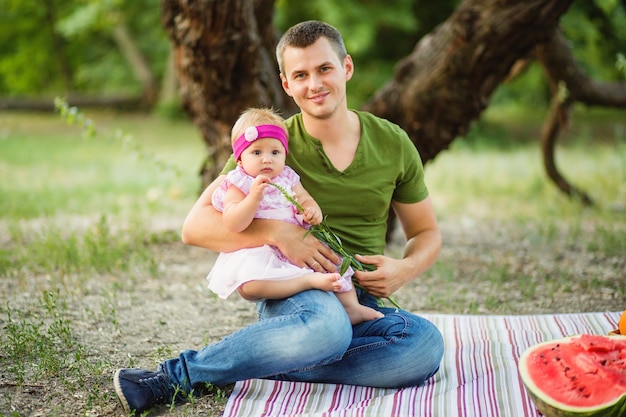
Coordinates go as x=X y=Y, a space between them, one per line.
x=316 y=78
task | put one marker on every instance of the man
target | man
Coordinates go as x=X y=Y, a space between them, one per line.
x=355 y=165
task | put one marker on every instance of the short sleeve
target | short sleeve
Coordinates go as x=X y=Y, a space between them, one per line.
x=236 y=177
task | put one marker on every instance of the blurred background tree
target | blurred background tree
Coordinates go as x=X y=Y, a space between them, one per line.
x=54 y=47
x=80 y=48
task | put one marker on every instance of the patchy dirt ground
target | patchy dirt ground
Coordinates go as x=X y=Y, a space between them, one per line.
x=139 y=319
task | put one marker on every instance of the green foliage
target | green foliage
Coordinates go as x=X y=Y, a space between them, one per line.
x=620 y=63
x=360 y=22
x=67 y=46
x=597 y=33
x=29 y=60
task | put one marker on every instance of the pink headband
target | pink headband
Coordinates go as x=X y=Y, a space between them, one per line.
x=253 y=133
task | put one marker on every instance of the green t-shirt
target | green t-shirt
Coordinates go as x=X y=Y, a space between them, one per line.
x=356 y=201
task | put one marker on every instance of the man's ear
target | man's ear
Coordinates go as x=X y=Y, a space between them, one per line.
x=285 y=84
x=348 y=65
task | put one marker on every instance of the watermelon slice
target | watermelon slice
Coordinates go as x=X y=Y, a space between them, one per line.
x=578 y=376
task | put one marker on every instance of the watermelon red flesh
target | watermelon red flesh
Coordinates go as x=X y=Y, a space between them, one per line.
x=589 y=371
x=583 y=375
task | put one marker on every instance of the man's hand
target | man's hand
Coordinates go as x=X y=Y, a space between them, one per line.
x=303 y=249
x=423 y=242
x=389 y=276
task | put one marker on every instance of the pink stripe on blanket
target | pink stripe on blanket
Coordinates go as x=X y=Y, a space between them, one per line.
x=478 y=374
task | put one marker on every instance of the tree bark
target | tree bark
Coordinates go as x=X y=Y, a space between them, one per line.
x=569 y=84
x=447 y=81
x=224 y=58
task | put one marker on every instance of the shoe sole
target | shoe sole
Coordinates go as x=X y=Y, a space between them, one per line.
x=118 y=391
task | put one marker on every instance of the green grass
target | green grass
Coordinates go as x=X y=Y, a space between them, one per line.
x=49 y=169
x=511 y=184
x=94 y=250
x=75 y=211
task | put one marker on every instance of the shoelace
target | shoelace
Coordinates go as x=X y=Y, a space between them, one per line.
x=160 y=386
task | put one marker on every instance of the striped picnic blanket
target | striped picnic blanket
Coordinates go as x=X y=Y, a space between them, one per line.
x=478 y=375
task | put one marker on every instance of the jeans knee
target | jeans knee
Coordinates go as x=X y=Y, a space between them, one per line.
x=427 y=353
x=328 y=329
x=324 y=331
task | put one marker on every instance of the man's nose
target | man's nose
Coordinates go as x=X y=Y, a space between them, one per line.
x=315 y=82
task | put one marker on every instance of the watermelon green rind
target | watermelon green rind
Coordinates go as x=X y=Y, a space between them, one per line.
x=548 y=408
x=551 y=408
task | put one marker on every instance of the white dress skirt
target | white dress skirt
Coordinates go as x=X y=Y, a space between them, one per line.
x=263 y=263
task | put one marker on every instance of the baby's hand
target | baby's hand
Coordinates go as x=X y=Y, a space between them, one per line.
x=312 y=216
x=257 y=186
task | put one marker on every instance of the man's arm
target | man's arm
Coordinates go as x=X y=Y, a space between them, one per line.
x=204 y=227
x=420 y=253
x=422 y=233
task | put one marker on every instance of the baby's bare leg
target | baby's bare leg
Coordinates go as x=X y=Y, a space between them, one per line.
x=277 y=289
x=357 y=312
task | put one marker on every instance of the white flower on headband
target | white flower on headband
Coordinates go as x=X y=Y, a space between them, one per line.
x=251 y=134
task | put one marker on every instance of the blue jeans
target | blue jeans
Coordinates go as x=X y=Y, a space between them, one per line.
x=308 y=337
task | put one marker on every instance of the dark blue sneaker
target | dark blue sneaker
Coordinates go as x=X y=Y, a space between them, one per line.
x=139 y=389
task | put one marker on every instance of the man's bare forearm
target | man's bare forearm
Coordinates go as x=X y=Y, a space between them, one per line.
x=423 y=250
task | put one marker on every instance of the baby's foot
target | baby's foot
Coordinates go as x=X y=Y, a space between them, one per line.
x=360 y=313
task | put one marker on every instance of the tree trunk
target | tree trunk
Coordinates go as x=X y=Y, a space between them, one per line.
x=137 y=62
x=169 y=84
x=447 y=81
x=224 y=57
x=58 y=45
